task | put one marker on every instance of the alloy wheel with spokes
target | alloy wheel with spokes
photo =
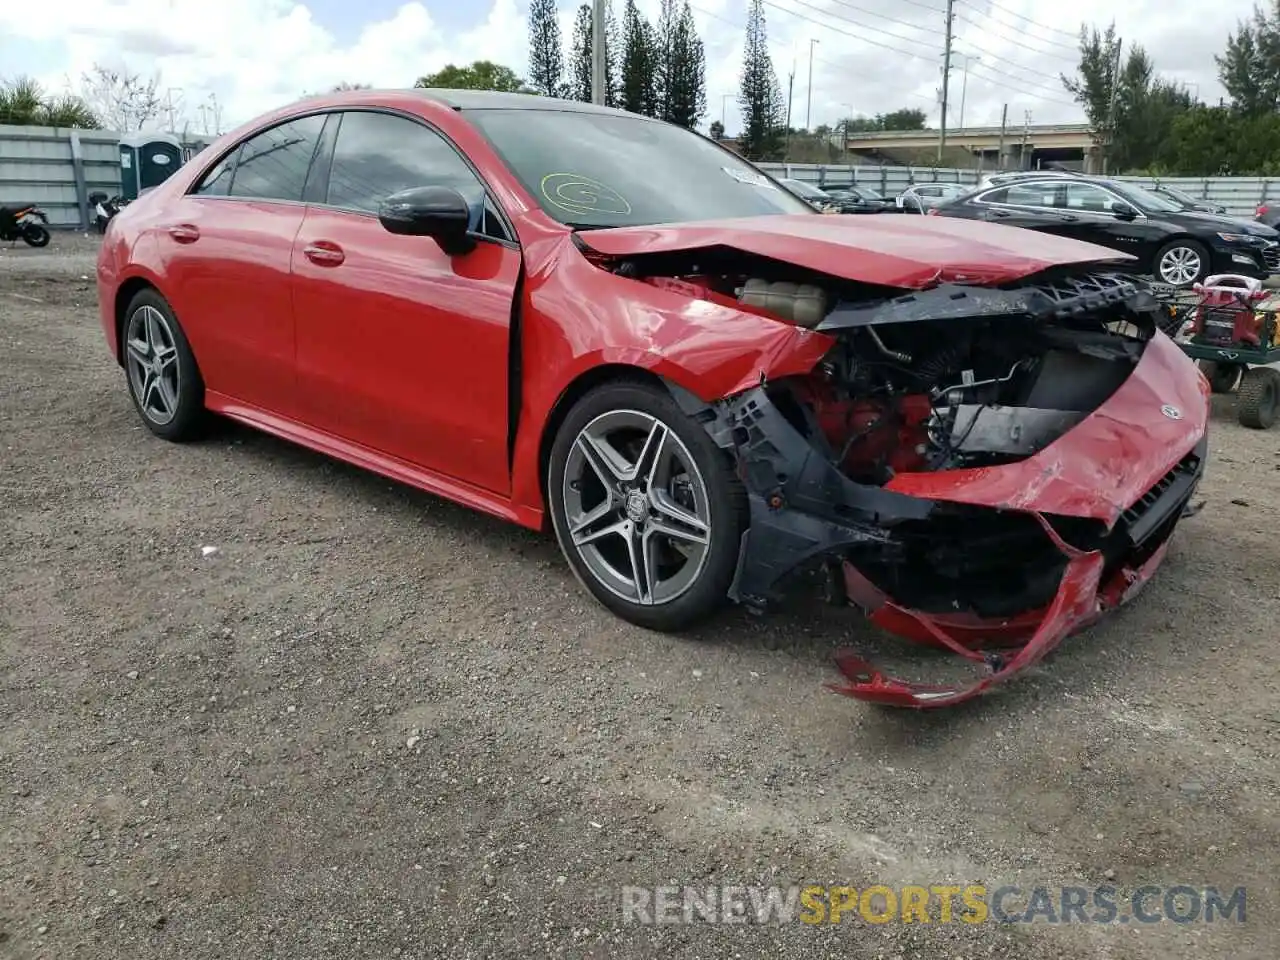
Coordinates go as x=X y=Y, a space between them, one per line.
x=636 y=507
x=1180 y=265
x=151 y=356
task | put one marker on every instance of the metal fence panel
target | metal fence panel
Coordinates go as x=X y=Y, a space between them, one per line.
x=37 y=166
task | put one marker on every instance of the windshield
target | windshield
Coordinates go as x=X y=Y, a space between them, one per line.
x=1145 y=200
x=1178 y=196
x=802 y=189
x=607 y=170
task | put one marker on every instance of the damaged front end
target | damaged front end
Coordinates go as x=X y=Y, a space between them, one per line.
x=982 y=469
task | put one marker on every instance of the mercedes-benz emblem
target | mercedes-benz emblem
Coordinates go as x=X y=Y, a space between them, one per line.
x=1173 y=413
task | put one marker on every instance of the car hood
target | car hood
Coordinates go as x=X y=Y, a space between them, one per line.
x=1214 y=222
x=908 y=252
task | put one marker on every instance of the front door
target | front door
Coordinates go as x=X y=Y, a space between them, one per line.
x=402 y=348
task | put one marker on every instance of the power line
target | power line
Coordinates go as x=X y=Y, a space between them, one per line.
x=1074 y=58
x=993 y=6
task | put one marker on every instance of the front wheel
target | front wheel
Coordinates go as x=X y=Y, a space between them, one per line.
x=1180 y=263
x=1259 y=397
x=35 y=235
x=645 y=506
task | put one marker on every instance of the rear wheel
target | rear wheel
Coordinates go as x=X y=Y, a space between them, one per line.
x=164 y=381
x=1259 y=397
x=35 y=235
x=645 y=506
x=1222 y=376
x=1181 y=263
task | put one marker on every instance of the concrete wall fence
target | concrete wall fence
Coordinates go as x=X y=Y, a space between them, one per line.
x=58 y=169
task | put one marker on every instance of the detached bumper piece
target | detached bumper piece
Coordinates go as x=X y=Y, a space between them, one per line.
x=804 y=510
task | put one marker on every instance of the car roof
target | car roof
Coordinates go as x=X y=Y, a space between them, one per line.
x=464 y=100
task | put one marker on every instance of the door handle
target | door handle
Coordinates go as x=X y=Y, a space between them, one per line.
x=324 y=253
x=184 y=232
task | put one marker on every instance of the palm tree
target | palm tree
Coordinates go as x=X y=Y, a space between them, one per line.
x=23 y=102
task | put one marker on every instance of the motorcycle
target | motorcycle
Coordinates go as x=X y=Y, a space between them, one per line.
x=26 y=222
x=104 y=208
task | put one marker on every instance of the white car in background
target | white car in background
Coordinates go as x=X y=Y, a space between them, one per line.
x=920 y=197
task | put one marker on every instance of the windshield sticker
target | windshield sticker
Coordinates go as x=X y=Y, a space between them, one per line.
x=578 y=194
x=749 y=178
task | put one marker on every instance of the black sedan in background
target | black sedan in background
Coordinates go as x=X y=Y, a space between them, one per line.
x=1175 y=245
x=838 y=201
x=856 y=199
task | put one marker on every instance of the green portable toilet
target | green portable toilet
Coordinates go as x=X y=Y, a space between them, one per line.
x=147 y=160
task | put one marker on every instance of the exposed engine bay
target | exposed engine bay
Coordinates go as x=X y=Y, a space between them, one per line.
x=951 y=377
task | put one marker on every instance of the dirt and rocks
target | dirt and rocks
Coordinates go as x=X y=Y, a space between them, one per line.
x=257 y=703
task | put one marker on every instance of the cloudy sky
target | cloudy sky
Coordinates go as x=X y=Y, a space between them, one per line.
x=871 y=55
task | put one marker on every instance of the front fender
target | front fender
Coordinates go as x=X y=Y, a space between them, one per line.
x=576 y=317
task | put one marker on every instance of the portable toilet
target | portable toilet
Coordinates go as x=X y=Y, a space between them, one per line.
x=147 y=160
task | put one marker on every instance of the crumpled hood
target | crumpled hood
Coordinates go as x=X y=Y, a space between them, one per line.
x=896 y=251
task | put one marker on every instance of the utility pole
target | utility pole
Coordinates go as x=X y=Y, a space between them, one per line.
x=1111 y=107
x=964 y=86
x=1026 y=135
x=599 y=75
x=791 y=83
x=946 y=78
x=1004 y=122
x=808 y=107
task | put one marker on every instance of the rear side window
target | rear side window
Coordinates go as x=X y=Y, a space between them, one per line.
x=273 y=165
x=378 y=154
x=217 y=181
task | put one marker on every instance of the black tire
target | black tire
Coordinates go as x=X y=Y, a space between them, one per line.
x=188 y=417
x=1222 y=377
x=724 y=502
x=1259 y=397
x=35 y=235
x=1194 y=246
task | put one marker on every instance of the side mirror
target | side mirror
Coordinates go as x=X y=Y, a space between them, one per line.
x=1122 y=211
x=440 y=213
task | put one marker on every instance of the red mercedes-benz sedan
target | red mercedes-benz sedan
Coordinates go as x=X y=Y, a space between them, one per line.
x=577 y=318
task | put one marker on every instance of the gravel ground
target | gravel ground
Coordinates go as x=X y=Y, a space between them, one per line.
x=374 y=724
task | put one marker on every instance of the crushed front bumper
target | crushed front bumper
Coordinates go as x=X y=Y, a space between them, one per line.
x=806 y=513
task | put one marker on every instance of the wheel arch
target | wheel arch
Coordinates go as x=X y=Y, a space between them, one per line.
x=576 y=389
x=125 y=293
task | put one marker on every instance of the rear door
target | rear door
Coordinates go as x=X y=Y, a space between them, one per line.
x=226 y=249
x=403 y=348
x=1028 y=205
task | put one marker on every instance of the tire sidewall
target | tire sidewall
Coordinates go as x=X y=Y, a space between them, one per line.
x=189 y=417
x=725 y=501
x=35 y=235
x=1201 y=251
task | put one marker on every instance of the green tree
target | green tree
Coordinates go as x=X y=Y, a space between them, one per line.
x=760 y=97
x=682 y=75
x=481 y=75
x=1249 y=68
x=1094 y=81
x=23 y=102
x=546 y=59
x=906 y=118
x=638 y=88
x=345 y=85
x=716 y=131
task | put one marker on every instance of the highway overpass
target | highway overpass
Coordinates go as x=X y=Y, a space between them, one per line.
x=1069 y=143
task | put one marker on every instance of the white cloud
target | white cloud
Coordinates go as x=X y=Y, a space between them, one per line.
x=872 y=55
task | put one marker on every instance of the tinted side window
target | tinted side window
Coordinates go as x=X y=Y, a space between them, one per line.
x=378 y=154
x=273 y=165
x=218 y=180
x=1031 y=194
x=1085 y=196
